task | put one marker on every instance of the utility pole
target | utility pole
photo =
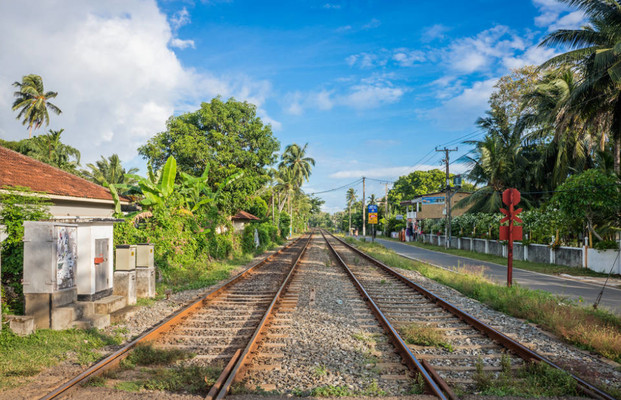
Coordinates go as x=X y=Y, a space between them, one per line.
x=386 y=210
x=364 y=211
x=447 y=236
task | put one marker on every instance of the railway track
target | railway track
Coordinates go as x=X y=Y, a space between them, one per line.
x=222 y=327
x=475 y=347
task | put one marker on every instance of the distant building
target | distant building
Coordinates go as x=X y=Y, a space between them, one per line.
x=71 y=196
x=433 y=206
x=241 y=219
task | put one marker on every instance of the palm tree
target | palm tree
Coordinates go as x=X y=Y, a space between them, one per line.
x=109 y=171
x=50 y=150
x=496 y=161
x=294 y=157
x=32 y=101
x=595 y=54
x=351 y=199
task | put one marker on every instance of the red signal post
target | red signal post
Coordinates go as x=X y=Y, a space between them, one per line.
x=510 y=232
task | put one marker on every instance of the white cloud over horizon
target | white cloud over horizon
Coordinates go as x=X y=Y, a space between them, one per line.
x=117 y=78
x=393 y=172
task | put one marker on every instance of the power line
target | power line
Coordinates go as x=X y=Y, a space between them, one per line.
x=356 y=182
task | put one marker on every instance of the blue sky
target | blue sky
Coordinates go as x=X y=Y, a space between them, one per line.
x=372 y=86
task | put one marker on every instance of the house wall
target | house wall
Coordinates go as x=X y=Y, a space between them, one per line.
x=75 y=208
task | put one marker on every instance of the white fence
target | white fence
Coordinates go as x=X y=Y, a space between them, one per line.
x=596 y=260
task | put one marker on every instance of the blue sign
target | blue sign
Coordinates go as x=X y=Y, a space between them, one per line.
x=433 y=200
x=372 y=208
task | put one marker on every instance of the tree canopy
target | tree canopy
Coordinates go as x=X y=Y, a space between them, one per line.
x=415 y=184
x=226 y=137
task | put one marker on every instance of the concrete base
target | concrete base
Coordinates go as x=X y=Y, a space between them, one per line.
x=41 y=306
x=125 y=285
x=98 y=321
x=21 y=325
x=95 y=296
x=145 y=282
x=110 y=304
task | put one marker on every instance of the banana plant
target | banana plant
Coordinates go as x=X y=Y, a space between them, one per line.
x=197 y=192
x=157 y=188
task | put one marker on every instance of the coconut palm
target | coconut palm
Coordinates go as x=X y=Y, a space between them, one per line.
x=351 y=199
x=109 y=171
x=294 y=158
x=595 y=54
x=50 y=150
x=33 y=102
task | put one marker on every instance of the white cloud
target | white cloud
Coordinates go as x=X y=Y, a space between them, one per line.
x=330 y=6
x=181 y=44
x=402 y=57
x=534 y=55
x=374 y=23
x=367 y=93
x=117 y=79
x=434 y=32
x=556 y=15
x=478 y=54
x=461 y=111
x=180 y=18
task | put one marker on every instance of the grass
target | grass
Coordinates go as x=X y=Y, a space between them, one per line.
x=320 y=371
x=332 y=391
x=200 y=274
x=146 y=355
x=425 y=335
x=531 y=380
x=544 y=268
x=595 y=330
x=156 y=372
x=22 y=357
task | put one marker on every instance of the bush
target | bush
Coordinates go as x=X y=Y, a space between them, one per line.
x=220 y=246
x=606 y=245
x=284 y=223
x=264 y=236
x=248 y=245
x=17 y=206
x=257 y=207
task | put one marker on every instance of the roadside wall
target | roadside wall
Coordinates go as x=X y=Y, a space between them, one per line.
x=596 y=260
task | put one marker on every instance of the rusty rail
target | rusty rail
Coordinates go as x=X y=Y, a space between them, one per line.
x=512 y=345
x=115 y=358
x=253 y=342
x=412 y=362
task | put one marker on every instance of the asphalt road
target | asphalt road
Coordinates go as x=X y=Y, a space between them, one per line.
x=570 y=288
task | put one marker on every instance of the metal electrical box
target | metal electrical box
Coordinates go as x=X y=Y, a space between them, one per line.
x=125 y=257
x=145 y=255
x=50 y=257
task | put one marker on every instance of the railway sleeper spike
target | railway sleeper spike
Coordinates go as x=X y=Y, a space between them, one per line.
x=512 y=345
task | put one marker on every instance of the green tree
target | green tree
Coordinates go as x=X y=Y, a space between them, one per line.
x=416 y=183
x=226 y=136
x=33 y=103
x=51 y=150
x=595 y=55
x=592 y=199
x=109 y=171
x=350 y=197
x=294 y=158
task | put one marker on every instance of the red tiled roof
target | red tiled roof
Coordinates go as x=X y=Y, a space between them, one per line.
x=245 y=216
x=19 y=170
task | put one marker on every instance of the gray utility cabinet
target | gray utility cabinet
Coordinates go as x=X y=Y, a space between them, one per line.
x=50 y=256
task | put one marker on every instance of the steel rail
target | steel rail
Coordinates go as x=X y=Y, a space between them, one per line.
x=115 y=358
x=403 y=349
x=513 y=345
x=253 y=342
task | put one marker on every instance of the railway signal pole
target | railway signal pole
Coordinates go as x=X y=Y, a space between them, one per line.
x=447 y=229
x=511 y=232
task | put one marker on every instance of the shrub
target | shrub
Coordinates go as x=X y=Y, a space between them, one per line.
x=283 y=224
x=264 y=236
x=17 y=205
x=220 y=246
x=248 y=245
x=257 y=207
